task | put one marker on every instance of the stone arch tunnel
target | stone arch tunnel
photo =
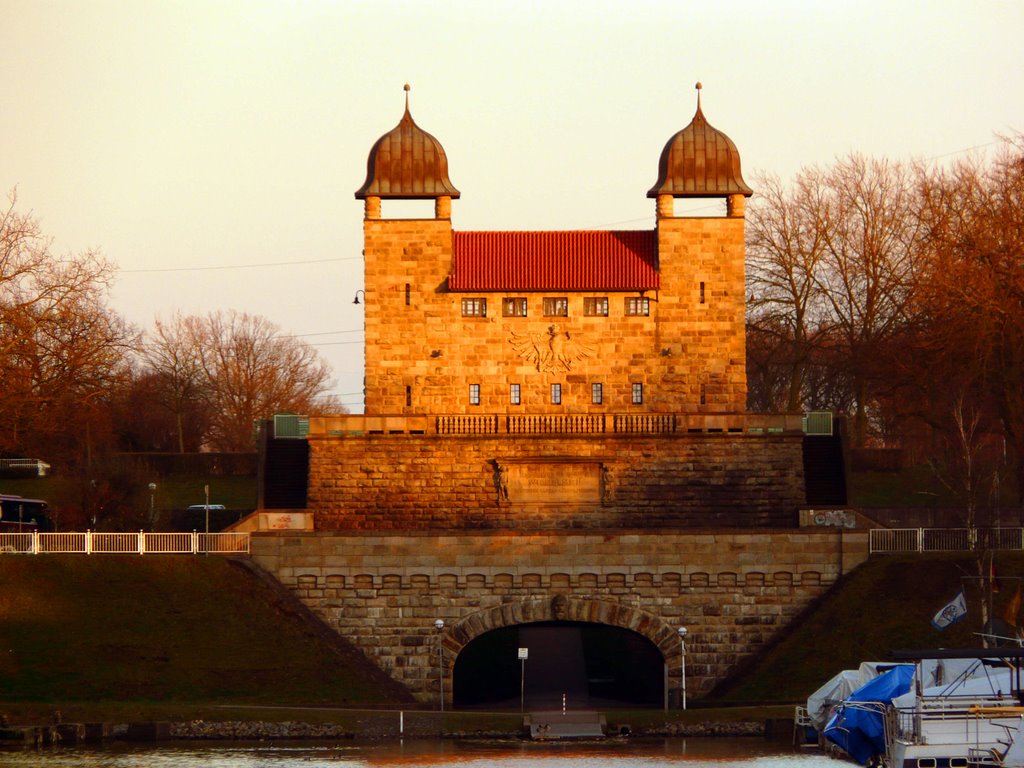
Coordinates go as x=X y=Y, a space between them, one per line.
x=580 y=652
x=384 y=592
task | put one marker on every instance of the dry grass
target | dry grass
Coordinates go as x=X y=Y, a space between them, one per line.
x=158 y=632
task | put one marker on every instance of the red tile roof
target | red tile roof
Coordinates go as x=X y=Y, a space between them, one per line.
x=550 y=261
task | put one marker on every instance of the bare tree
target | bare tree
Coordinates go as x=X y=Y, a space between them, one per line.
x=786 y=240
x=173 y=353
x=61 y=347
x=250 y=371
x=967 y=464
x=973 y=291
x=870 y=267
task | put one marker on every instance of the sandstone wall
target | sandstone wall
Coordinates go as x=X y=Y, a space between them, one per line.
x=555 y=481
x=422 y=355
x=706 y=341
x=733 y=591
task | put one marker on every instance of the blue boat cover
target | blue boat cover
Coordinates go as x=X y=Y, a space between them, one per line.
x=857 y=726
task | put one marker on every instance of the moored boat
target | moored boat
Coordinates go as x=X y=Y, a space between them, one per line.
x=968 y=716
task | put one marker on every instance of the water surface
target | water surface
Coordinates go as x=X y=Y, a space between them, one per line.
x=633 y=753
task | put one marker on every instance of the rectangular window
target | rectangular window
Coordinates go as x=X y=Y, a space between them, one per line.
x=638 y=394
x=513 y=307
x=474 y=394
x=596 y=392
x=514 y=394
x=595 y=306
x=702 y=293
x=408 y=396
x=474 y=307
x=638 y=306
x=703 y=394
x=408 y=294
x=556 y=394
x=556 y=306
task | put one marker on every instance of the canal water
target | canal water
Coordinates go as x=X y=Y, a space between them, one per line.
x=633 y=753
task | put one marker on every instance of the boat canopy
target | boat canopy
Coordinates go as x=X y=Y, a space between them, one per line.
x=977 y=681
x=857 y=726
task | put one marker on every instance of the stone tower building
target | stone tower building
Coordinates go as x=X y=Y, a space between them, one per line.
x=555 y=323
x=555 y=437
x=560 y=379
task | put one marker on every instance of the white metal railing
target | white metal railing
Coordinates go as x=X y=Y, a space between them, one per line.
x=36 y=466
x=904 y=540
x=141 y=543
x=881 y=541
x=959 y=712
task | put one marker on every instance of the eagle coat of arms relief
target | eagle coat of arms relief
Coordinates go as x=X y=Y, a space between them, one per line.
x=553 y=350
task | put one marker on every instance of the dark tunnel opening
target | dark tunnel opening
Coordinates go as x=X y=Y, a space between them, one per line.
x=590 y=664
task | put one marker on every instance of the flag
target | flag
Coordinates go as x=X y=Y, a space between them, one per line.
x=1012 y=609
x=951 y=612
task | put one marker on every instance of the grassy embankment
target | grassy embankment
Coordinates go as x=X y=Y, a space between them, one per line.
x=162 y=637
x=886 y=604
x=123 y=638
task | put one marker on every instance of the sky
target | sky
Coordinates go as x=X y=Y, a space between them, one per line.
x=211 y=149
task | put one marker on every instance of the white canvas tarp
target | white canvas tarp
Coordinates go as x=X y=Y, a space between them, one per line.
x=821 y=702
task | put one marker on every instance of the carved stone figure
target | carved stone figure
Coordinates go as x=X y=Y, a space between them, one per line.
x=607 y=483
x=559 y=607
x=555 y=350
x=501 y=481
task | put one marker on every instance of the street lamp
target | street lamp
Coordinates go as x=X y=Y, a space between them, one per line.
x=439 y=626
x=356 y=299
x=206 y=540
x=682 y=661
x=152 y=502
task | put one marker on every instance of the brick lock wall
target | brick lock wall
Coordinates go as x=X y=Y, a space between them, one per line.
x=422 y=355
x=733 y=591
x=415 y=482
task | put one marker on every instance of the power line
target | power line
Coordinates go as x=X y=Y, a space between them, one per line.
x=319 y=333
x=962 y=151
x=238 y=266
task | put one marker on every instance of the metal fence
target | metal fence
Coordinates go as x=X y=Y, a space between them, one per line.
x=141 y=543
x=905 y=540
x=881 y=541
x=36 y=467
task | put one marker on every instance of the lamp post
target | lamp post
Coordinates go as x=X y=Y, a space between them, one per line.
x=682 y=663
x=439 y=626
x=524 y=654
x=206 y=540
x=356 y=302
x=152 y=502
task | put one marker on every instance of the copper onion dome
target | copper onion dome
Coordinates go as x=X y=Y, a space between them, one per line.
x=699 y=161
x=407 y=163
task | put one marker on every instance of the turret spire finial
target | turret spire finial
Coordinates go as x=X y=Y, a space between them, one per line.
x=698 y=87
x=407 y=88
